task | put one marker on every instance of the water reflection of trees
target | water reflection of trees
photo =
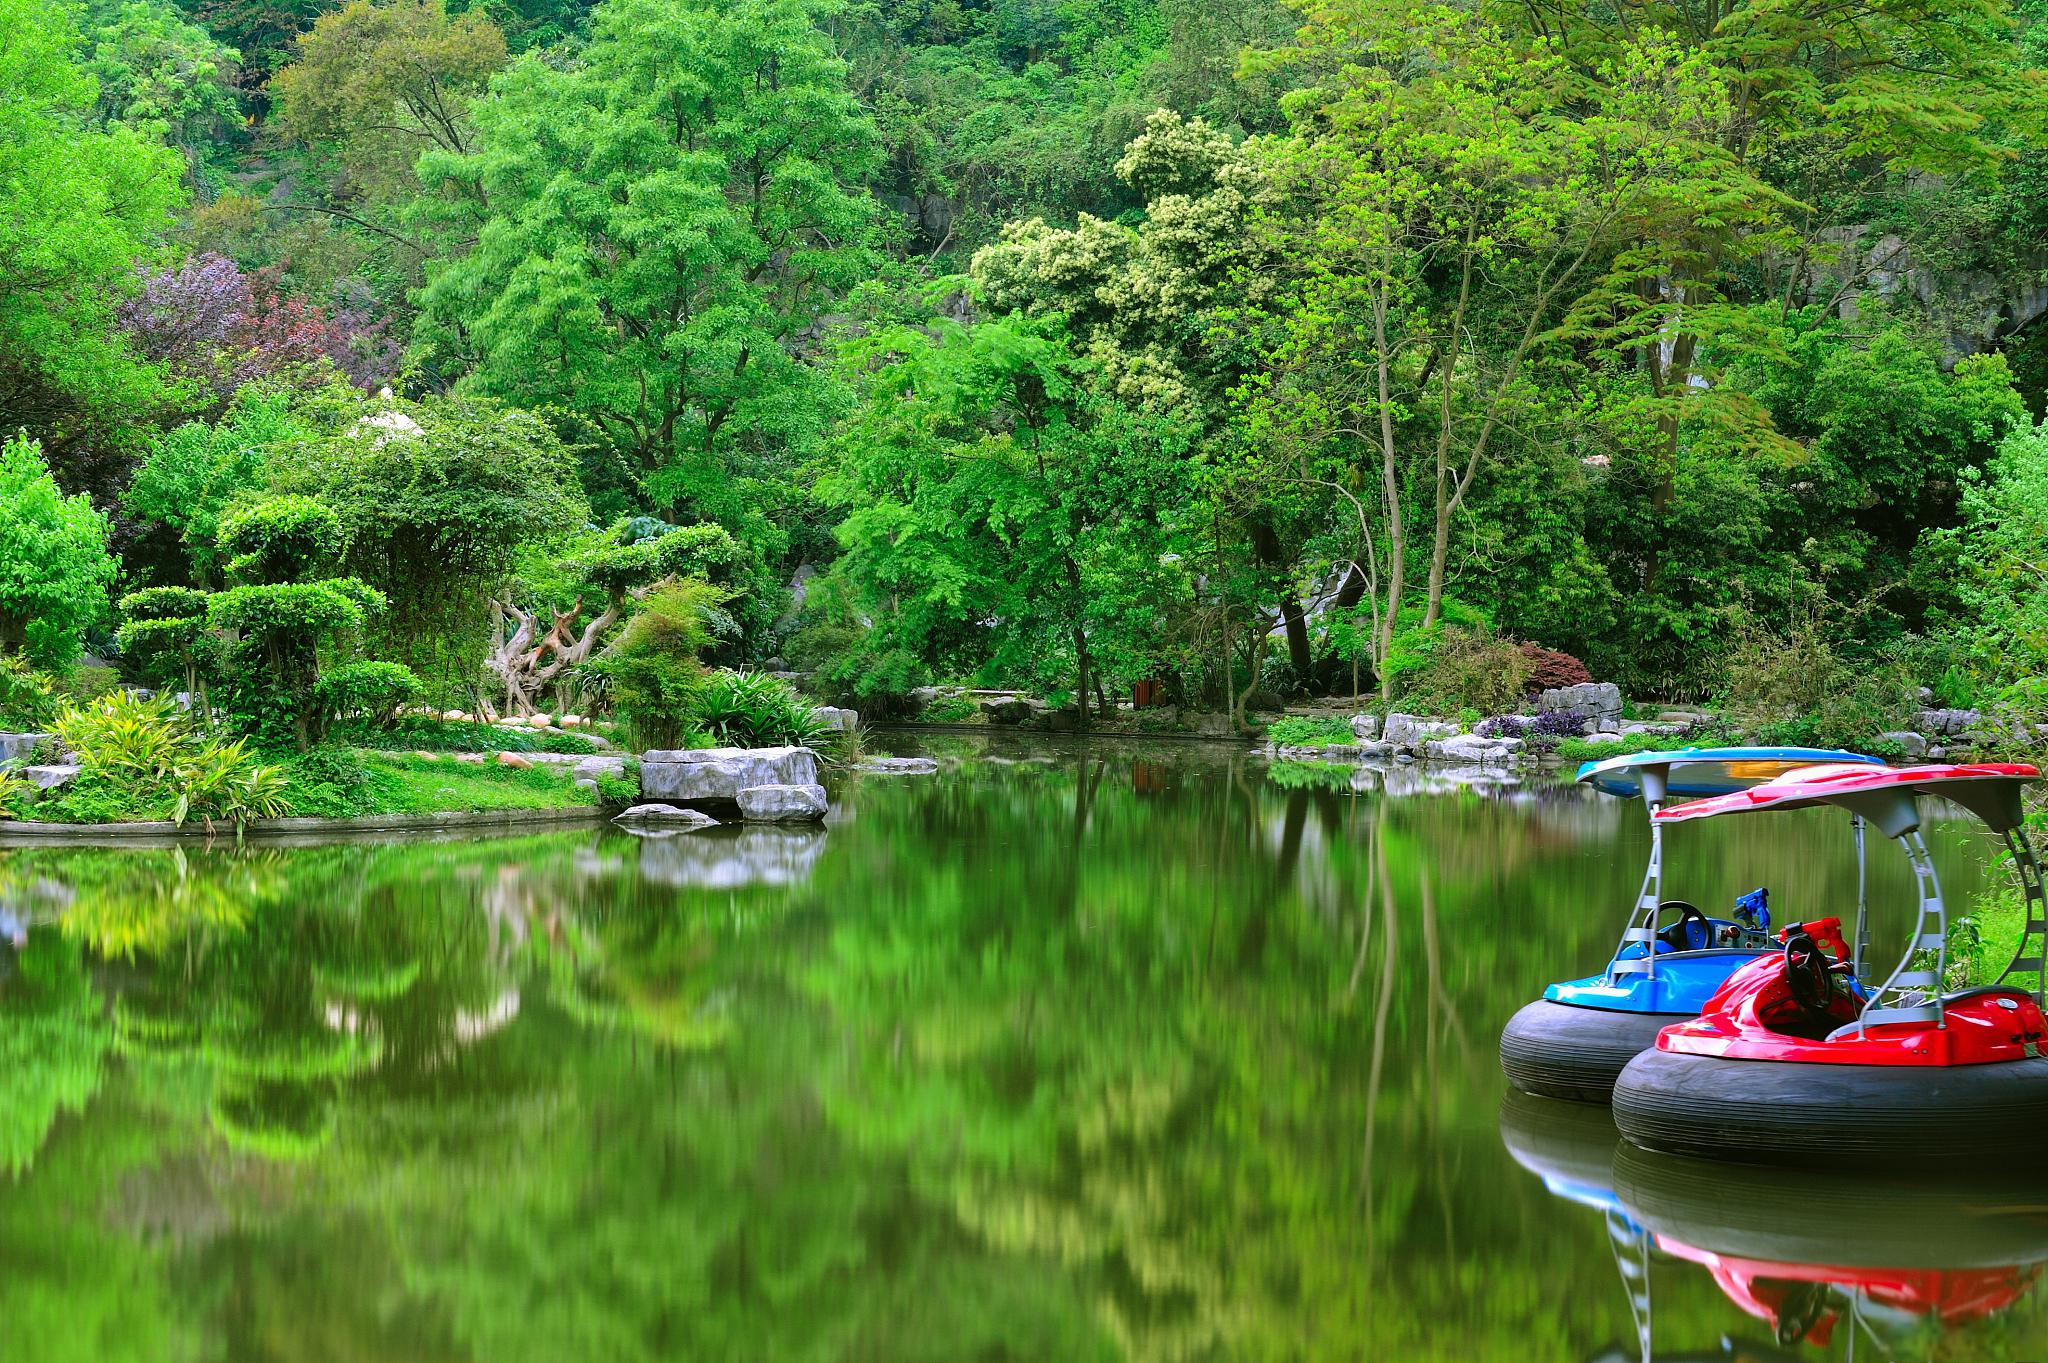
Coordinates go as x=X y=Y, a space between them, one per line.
x=1089 y=1058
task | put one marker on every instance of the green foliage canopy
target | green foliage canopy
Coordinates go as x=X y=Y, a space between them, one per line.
x=54 y=565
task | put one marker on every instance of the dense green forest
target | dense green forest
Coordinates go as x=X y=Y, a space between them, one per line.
x=1241 y=347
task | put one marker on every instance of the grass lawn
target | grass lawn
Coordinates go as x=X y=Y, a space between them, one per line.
x=402 y=783
x=339 y=783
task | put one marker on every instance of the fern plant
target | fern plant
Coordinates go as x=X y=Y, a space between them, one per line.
x=755 y=710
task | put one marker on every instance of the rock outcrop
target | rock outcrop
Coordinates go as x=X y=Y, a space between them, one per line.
x=668 y=816
x=600 y=766
x=1472 y=750
x=835 y=718
x=1597 y=703
x=1413 y=732
x=714 y=777
x=783 y=804
x=1913 y=745
x=15 y=747
x=899 y=766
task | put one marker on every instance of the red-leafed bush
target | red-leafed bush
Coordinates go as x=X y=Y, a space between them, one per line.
x=1548 y=668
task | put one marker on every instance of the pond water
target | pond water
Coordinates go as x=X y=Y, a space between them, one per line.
x=1080 y=1051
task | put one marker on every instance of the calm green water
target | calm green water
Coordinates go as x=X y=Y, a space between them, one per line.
x=1081 y=1052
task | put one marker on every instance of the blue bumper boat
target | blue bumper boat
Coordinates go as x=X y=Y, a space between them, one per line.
x=1672 y=956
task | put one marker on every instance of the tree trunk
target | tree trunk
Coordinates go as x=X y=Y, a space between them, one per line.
x=1298 y=651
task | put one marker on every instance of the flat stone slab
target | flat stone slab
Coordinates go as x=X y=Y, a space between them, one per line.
x=604 y=764
x=718 y=775
x=667 y=815
x=53 y=775
x=783 y=803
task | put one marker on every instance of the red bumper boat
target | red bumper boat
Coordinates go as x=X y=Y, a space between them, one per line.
x=1789 y=1062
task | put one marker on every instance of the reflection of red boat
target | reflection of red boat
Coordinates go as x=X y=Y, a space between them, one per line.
x=1789 y=1063
x=1880 y=1258
x=1804 y=1301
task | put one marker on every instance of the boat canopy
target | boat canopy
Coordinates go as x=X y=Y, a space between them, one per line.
x=1882 y=795
x=1707 y=771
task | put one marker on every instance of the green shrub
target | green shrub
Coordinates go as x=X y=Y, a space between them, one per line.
x=370 y=692
x=54 y=565
x=755 y=710
x=1301 y=731
x=1790 y=683
x=1585 y=750
x=124 y=737
x=702 y=551
x=952 y=710
x=618 y=790
x=16 y=791
x=651 y=665
x=328 y=781
x=28 y=698
x=280 y=539
x=164 y=603
x=1465 y=669
x=166 y=639
x=146 y=752
x=289 y=608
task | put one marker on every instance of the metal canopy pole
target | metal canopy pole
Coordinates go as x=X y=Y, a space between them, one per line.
x=1861 y=941
x=2032 y=951
x=1930 y=933
x=1642 y=923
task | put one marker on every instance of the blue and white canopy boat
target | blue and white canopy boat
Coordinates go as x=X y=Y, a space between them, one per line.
x=1672 y=956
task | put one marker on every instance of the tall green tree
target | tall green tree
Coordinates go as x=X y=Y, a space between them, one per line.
x=54 y=564
x=669 y=220
x=80 y=205
x=1003 y=513
x=1456 y=219
x=435 y=500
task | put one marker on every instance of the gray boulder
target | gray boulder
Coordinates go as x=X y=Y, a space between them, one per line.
x=716 y=776
x=15 y=747
x=1588 y=700
x=899 y=766
x=667 y=815
x=1007 y=710
x=1945 y=723
x=1413 y=731
x=832 y=717
x=1366 y=727
x=1603 y=738
x=1472 y=750
x=1912 y=744
x=783 y=803
x=604 y=764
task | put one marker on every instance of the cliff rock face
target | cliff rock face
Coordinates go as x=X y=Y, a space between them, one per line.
x=1975 y=308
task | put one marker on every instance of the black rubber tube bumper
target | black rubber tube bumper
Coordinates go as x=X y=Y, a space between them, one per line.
x=1560 y=1051
x=1776 y=1112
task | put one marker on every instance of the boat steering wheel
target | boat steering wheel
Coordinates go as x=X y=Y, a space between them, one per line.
x=1807 y=972
x=1692 y=931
